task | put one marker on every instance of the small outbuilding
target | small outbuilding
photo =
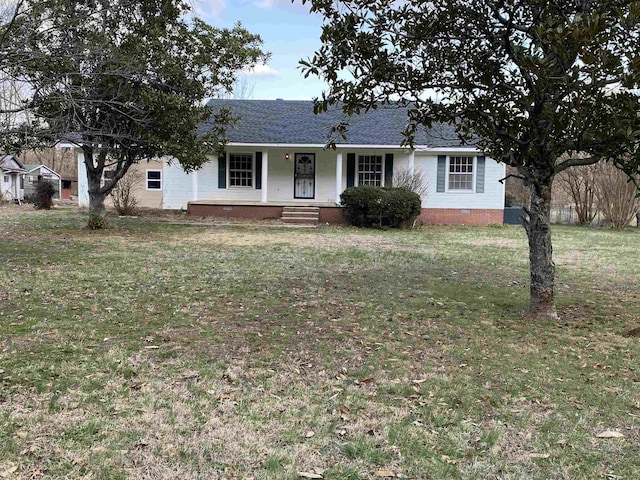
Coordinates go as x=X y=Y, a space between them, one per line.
x=11 y=172
x=35 y=174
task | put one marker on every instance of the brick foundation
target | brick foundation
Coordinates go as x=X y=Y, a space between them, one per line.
x=255 y=212
x=334 y=216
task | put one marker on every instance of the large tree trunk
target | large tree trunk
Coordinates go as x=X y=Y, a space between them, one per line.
x=96 y=196
x=542 y=268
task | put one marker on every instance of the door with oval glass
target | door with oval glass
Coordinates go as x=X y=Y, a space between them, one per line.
x=304 y=175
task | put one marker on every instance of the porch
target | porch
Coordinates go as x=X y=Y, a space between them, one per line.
x=304 y=212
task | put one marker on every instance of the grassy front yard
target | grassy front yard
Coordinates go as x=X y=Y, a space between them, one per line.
x=161 y=351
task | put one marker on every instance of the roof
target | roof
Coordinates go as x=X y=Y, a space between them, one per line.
x=9 y=163
x=293 y=122
x=35 y=166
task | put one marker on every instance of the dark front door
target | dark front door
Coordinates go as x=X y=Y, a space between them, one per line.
x=304 y=175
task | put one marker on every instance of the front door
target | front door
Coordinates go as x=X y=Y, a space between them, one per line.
x=304 y=175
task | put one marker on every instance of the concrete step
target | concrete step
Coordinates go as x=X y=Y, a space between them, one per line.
x=301 y=209
x=300 y=220
x=301 y=214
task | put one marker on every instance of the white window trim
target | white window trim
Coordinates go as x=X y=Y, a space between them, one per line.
x=356 y=181
x=146 y=180
x=253 y=172
x=474 y=166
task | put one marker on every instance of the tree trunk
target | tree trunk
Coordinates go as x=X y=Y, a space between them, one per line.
x=542 y=268
x=96 y=197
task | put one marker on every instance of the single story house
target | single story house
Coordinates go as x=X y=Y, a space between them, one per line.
x=35 y=174
x=276 y=161
x=11 y=171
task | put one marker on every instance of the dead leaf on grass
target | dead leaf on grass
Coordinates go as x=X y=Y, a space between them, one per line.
x=364 y=381
x=610 y=434
x=539 y=455
x=9 y=470
x=385 y=473
x=310 y=434
x=309 y=475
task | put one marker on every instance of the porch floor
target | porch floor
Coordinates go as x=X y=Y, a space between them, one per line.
x=238 y=203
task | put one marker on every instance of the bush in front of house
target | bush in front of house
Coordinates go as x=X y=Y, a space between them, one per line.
x=43 y=198
x=369 y=206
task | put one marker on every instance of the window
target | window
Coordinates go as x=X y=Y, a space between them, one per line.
x=107 y=177
x=370 y=170
x=154 y=179
x=240 y=170
x=7 y=179
x=460 y=173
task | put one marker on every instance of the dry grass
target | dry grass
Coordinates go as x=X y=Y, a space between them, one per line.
x=164 y=351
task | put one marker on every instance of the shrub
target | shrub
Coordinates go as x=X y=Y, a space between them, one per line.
x=369 y=206
x=97 y=221
x=124 y=199
x=43 y=199
x=414 y=181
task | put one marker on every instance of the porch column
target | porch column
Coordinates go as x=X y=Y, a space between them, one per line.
x=412 y=161
x=338 y=176
x=194 y=185
x=265 y=175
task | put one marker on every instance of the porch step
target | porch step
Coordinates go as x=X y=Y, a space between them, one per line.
x=300 y=215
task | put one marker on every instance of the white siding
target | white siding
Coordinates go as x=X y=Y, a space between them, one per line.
x=492 y=198
x=83 y=183
x=177 y=187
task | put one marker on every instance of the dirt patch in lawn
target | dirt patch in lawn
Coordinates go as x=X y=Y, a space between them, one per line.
x=234 y=237
x=495 y=242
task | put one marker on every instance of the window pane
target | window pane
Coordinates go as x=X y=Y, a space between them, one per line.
x=461 y=173
x=370 y=170
x=154 y=185
x=240 y=170
x=153 y=175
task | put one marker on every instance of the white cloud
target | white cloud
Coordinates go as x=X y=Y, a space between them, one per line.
x=261 y=70
x=270 y=3
x=209 y=7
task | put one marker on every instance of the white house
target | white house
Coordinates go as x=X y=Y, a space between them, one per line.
x=11 y=171
x=276 y=160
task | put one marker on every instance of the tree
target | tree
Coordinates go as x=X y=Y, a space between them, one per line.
x=579 y=185
x=526 y=81
x=617 y=196
x=124 y=80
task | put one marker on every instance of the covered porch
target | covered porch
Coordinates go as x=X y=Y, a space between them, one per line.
x=289 y=212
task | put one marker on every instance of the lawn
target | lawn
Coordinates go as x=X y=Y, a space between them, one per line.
x=153 y=350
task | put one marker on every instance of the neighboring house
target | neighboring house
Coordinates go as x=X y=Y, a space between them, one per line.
x=276 y=159
x=35 y=174
x=60 y=158
x=11 y=171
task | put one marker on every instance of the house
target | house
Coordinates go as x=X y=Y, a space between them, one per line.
x=11 y=171
x=35 y=174
x=276 y=160
x=60 y=158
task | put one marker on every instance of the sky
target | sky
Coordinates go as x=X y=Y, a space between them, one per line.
x=289 y=32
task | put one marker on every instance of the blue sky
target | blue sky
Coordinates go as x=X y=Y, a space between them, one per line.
x=289 y=32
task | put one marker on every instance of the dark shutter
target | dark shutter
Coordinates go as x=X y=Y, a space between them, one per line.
x=258 y=170
x=388 y=170
x=480 y=175
x=222 y=170
x=351 y=169
x=442 y=173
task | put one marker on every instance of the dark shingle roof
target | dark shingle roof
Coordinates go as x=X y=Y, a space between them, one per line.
x=293 y=122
